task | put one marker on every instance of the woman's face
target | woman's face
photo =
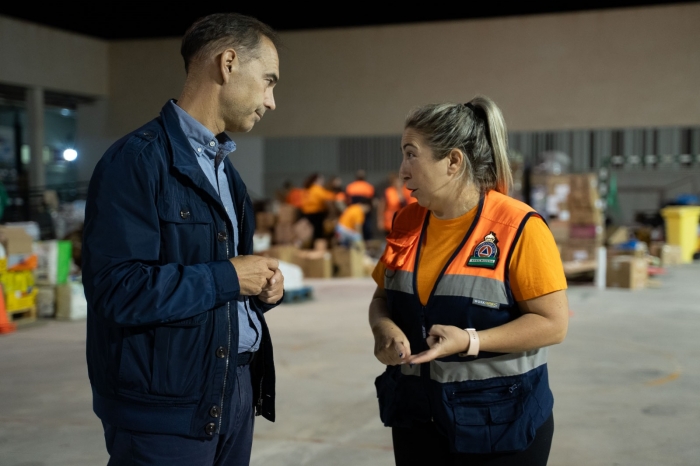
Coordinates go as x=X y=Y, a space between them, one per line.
x=428 y=179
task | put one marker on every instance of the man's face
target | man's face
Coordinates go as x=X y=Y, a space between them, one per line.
x=248 y=95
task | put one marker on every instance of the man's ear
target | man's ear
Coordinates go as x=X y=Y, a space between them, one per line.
x=456 y=161
x=228 y=64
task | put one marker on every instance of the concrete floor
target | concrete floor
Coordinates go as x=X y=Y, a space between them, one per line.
x=625 y=383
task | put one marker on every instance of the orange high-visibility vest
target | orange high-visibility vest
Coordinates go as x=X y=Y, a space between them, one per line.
x=495 y=401
x=359 y=188
x=392 y=204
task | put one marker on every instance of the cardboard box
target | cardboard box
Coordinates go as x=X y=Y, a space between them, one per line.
x=315 y=264
x=349 y=262
x=53 y=261
x=586 y=215
x=70 y=301
x=46 y=301
x=579 y=250
x=287 y=214
x=264 y=221
x=284 y=233
x=586 y=231
x=627 y=272
x=560 y=230
x=284 y=253
x=584 y=190
x=16 y=240
x=671 y=254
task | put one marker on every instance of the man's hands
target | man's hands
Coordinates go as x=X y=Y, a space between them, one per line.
x=259 y=276
x=274 y=289
x=443 y=340
x=391 y=346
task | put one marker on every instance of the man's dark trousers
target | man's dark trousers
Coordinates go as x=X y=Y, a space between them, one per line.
x=129 y=448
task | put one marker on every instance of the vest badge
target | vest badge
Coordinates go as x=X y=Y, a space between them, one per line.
x=485 y=253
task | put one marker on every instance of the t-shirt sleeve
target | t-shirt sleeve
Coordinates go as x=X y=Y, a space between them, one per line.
x=378 y=274
x=536 y=268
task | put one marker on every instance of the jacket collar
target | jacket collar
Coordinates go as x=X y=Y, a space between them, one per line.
x=184 y=161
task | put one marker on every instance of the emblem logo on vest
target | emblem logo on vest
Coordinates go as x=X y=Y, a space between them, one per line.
x=485 y=253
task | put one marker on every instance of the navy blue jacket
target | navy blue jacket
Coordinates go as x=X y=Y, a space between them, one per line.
x=162 y=330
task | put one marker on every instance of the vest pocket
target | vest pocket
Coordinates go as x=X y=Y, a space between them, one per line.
x=489 y=420
x=402 y=398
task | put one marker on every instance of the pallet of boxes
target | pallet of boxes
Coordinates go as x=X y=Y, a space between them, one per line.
x=573 y=209
x=17 y=263
x=628 y=260
x=59 y=295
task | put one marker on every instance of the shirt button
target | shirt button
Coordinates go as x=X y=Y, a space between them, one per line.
x=199 y=149
x=222 y=236
x=214 y=411
x=210 y=428
x=221 y=352
x=212 y=143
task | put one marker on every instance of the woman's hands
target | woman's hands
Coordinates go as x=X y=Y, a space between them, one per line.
x=391 y=347
x=443 y=340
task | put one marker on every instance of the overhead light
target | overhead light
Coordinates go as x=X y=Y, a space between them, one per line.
x=70 y=154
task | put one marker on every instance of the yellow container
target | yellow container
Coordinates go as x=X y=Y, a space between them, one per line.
x=682 y=229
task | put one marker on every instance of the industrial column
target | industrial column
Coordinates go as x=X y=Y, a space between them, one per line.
x=35 y=117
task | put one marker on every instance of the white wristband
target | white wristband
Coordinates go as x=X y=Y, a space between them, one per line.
x=473 y=349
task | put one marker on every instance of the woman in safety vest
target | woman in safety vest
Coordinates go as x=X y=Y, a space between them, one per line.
x=470 y=293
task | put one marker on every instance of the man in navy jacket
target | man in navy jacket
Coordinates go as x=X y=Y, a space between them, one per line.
x=179 y=355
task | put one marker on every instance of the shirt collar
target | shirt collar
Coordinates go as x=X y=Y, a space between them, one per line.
x=203 y=141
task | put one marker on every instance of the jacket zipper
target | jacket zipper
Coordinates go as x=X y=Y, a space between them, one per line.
x=228 y=354
x=262 y=376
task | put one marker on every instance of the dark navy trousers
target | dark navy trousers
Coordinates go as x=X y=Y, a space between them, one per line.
x=131 y=448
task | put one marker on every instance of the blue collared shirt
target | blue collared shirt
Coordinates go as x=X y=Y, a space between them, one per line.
x=210 y=149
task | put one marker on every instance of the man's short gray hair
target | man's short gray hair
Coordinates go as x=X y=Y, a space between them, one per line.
x=221 y=30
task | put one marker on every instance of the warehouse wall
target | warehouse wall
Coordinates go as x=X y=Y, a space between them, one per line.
x=33 y=55
x=615 y=68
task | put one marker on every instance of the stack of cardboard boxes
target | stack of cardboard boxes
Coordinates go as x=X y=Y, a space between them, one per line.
x=573 y=210
x=16 y=266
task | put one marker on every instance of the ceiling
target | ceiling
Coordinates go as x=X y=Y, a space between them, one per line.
x=132 y=20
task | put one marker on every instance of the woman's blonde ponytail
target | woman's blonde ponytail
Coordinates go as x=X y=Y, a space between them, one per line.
x=497 y=136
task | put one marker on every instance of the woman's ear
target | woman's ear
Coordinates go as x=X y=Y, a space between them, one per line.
x=456 y=161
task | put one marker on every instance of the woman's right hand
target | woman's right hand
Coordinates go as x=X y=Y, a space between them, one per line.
x=391 y=347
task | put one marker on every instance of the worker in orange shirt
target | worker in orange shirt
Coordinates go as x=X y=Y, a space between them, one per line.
x=348 y=231
x=396 y=196
x=361 y=191
x=314 y=206
x=294 y=195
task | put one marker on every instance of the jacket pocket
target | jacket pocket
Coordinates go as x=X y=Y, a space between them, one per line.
x=179 y=356
x=187 y=229
x=487 y=420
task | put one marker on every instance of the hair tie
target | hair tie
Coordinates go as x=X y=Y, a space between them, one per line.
x=470 y=107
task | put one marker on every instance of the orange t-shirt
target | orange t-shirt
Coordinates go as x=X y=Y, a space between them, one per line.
x=352 y=217
x=315 y=199
x=295 y=197
x=535 y=268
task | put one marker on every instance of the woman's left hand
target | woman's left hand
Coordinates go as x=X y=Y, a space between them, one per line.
x=443 y=340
